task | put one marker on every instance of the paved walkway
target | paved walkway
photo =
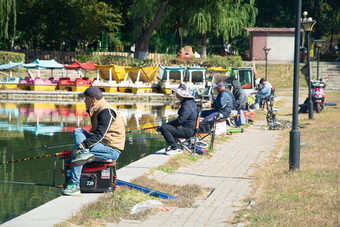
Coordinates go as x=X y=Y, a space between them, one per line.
x=228 y=173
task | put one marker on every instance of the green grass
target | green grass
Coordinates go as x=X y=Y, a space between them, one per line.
x=310 y=195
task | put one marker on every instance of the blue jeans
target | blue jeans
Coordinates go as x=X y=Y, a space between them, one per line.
x=211 y=113
x=100 y=150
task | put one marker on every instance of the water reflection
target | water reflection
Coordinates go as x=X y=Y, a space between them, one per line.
x=38 y=129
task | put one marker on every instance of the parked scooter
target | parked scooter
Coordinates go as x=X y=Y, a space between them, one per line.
x=318 y=96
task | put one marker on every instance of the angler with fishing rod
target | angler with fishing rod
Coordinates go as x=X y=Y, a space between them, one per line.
x=105 y=141
x=184 y=125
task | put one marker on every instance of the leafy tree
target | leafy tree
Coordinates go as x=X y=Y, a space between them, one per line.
x=278 y=13
x=281 y=13
x=59 y=24
x=8 y=22
x=94 y=18
x=225 y=18
x=146 y=21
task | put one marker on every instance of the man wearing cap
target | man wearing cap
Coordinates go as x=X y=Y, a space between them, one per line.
x=184 y=125
x=105 y=141
x=223 y=103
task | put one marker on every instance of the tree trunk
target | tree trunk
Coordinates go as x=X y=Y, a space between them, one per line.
x=330 y=43
x=204 y=44
x=317 y=29
x=142 y=47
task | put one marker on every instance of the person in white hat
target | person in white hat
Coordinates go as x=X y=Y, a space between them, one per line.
x=184 y=125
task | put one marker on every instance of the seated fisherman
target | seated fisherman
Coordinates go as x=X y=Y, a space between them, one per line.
x=223 y=103
x=105 y=141
x=184 y=125
x=241 y=98
x=264 y=90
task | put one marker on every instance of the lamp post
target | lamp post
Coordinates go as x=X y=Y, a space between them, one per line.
x=318 y=43
x=266 y=51
x=294 y=134
x=307 y=24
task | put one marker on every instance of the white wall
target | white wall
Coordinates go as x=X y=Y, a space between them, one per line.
x=282 y=46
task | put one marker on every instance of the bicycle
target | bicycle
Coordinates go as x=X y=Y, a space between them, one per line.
x=269 y=102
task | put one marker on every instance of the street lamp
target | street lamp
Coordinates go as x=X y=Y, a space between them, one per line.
x=318 y=43
x=307 y=24
x=294 y=134
x=266 y=51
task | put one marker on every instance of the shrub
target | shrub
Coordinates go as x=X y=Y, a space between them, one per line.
x=165 y=59
x=6 y=56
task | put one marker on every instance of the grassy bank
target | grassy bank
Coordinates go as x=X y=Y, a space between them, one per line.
x=280 y=76
x=310 y=196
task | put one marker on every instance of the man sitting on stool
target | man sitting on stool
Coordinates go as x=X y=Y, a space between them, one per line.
x=106 y=141
x=241 y=98
x=184 y=125
x=264 y=88
x=223 y=104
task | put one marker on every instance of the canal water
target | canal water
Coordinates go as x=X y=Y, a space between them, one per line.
x=30 y=130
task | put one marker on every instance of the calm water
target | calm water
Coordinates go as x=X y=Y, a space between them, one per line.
x=33 y=130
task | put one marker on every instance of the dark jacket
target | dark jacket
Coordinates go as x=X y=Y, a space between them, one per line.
x=224 y=103
x=240 y=95
x=187 y=114
x=107 y=126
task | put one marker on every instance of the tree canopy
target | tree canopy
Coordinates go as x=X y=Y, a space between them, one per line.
x=157 y=25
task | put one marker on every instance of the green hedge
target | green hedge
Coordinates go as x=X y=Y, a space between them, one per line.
x=166 y=59
x=6 y=56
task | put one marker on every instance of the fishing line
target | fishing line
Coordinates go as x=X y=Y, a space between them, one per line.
x=28 y=183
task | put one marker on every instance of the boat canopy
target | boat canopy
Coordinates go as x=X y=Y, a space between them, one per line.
x=171 y=73
x=11 y=65
x=44 y=64
x=218 y=69
x=195 y=74
x=142 y=74
x=80 y=66
x=112 y=72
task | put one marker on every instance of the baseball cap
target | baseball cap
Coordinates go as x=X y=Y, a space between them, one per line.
x=219 y=84
x=92 y=92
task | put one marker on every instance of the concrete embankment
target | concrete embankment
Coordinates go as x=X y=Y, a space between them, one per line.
x=68 y=96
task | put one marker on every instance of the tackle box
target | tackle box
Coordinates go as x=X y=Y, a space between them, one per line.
x=96 y=176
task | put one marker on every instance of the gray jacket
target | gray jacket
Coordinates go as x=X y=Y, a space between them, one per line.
x=240 y=95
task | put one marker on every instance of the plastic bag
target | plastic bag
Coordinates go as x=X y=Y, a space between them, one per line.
x=149 y=204
x=240 y=120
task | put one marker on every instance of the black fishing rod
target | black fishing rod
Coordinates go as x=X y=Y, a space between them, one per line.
x=142 y=138
x=157 y=119
x=28 y=183
x=142 y=129
x=26 y=159
x=50 y=155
